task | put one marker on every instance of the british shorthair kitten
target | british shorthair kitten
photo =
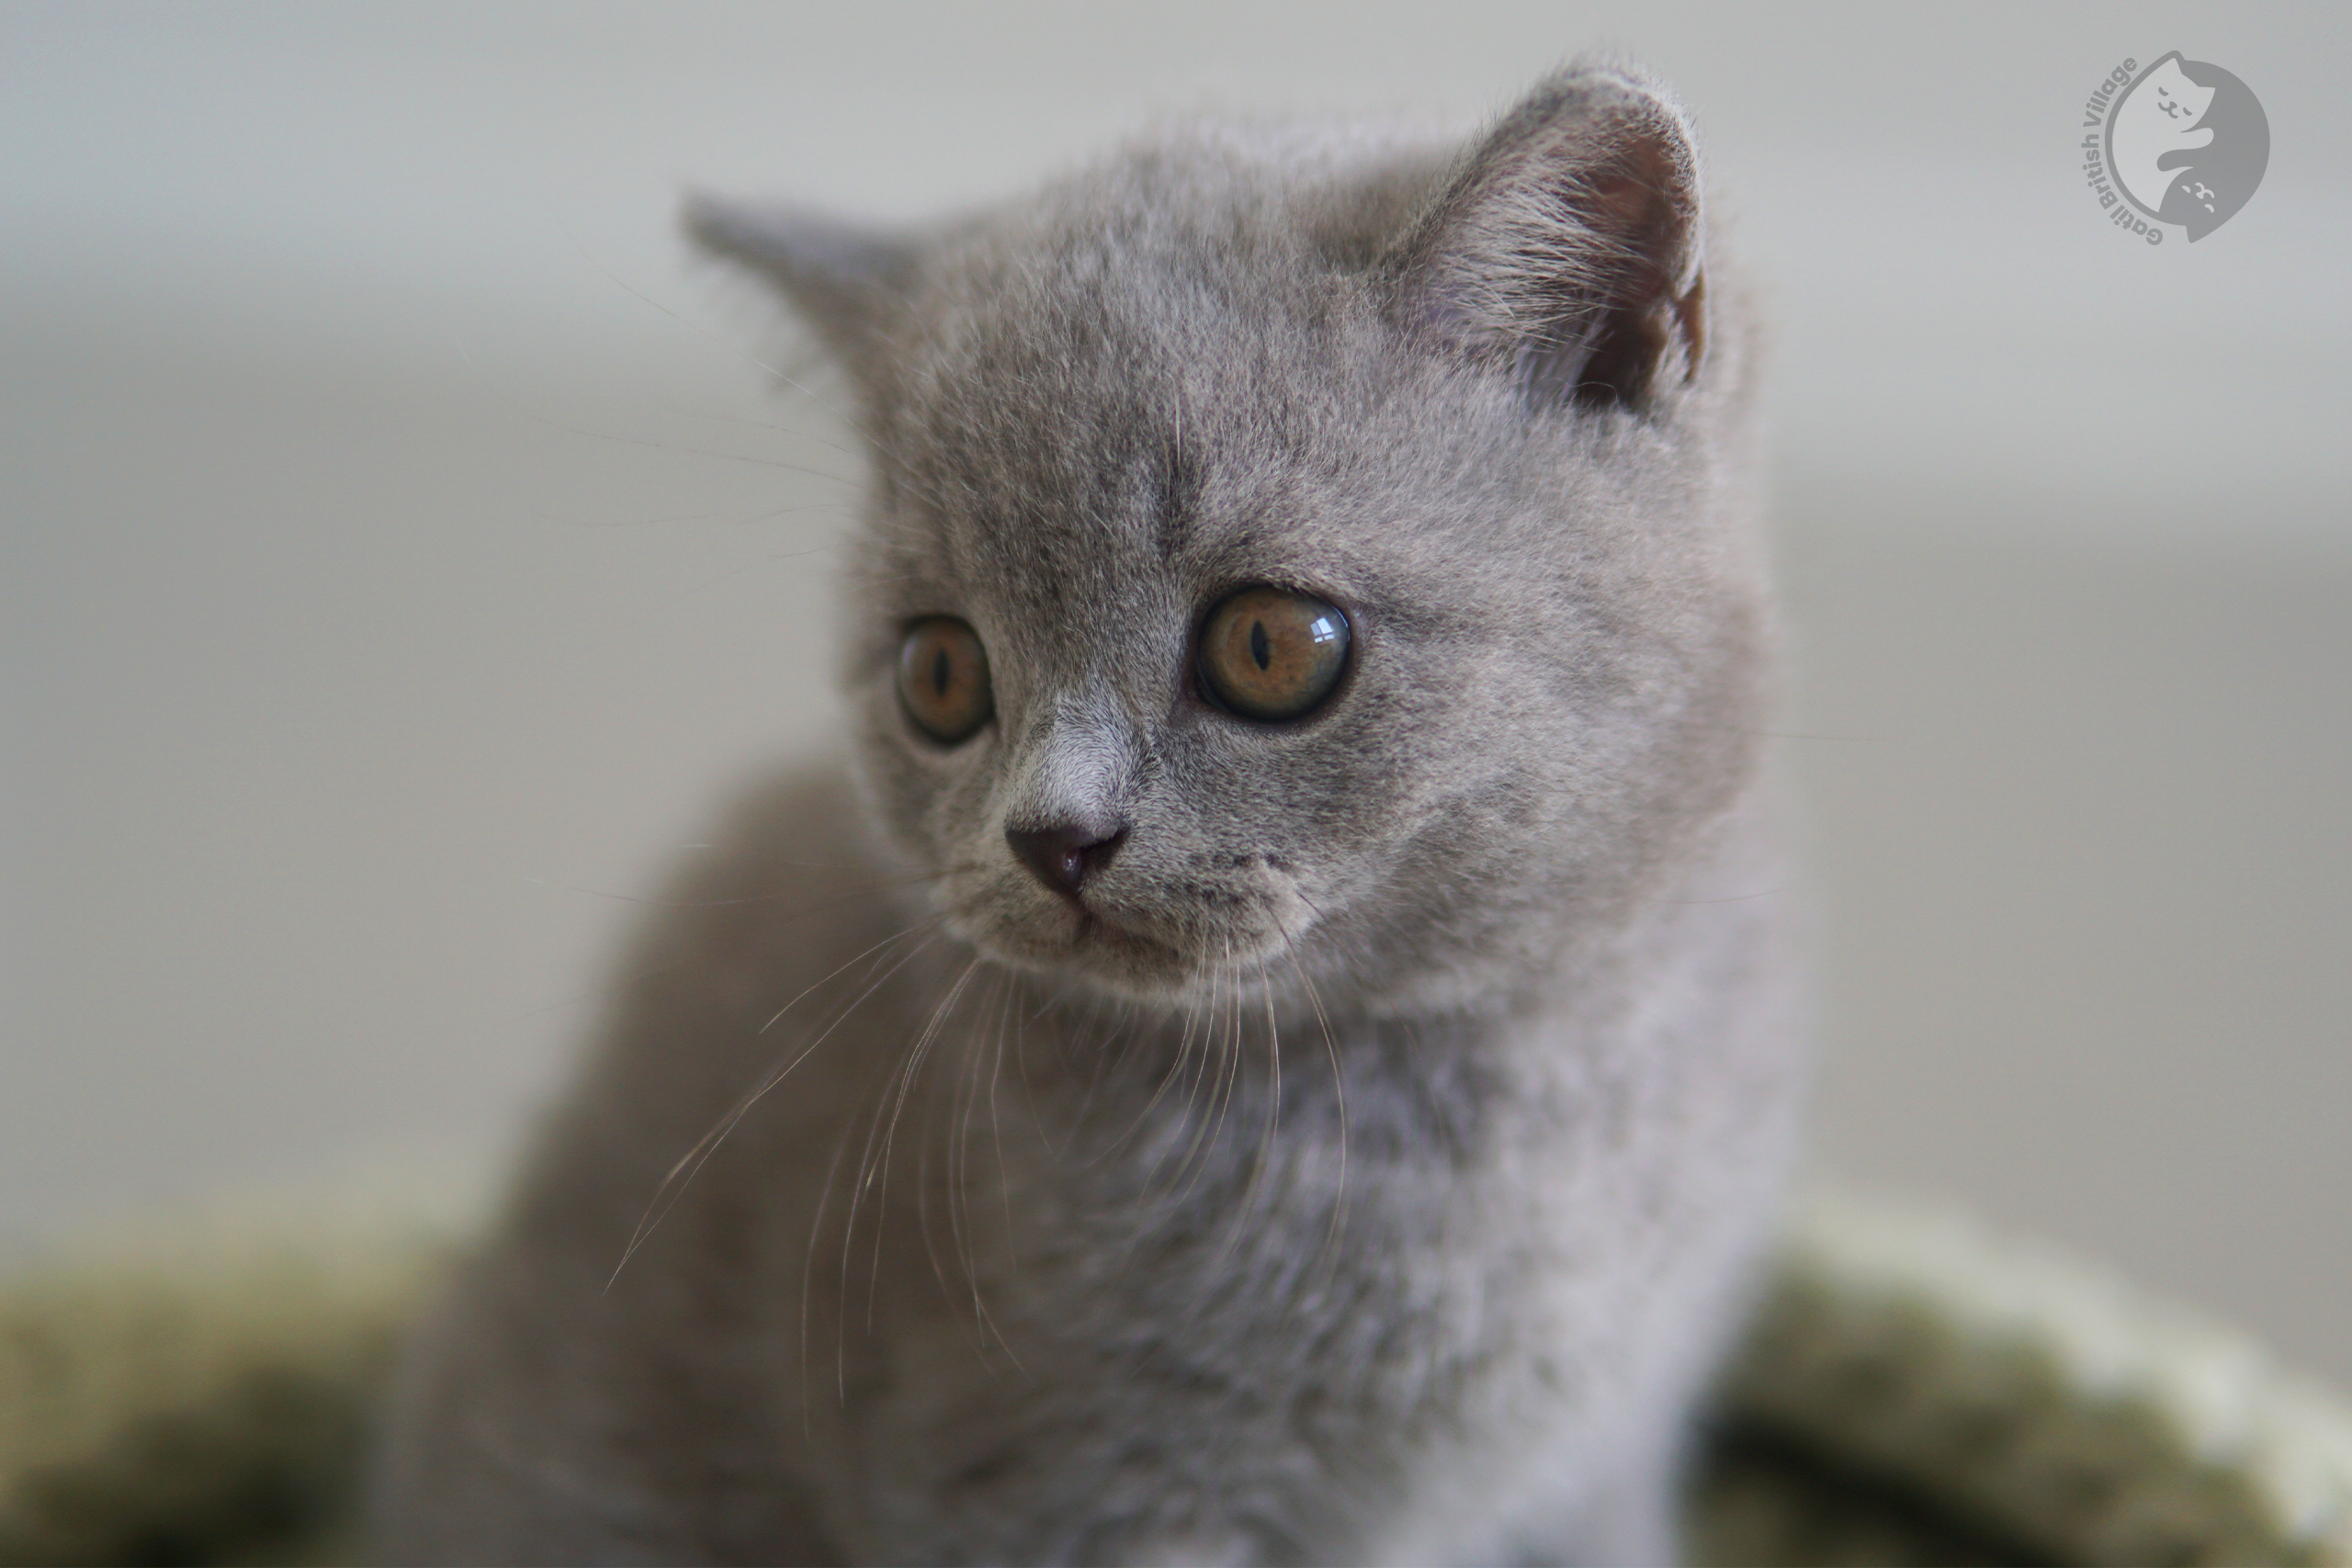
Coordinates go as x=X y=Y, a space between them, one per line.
x=1274 y=1043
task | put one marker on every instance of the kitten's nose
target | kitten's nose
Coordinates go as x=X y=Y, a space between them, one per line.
x=1064 y=854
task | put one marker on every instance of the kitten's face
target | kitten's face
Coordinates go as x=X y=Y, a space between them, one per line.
x=1498 y=658
x=1296 y=555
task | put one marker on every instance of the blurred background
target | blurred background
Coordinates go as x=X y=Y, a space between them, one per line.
x=402 y=552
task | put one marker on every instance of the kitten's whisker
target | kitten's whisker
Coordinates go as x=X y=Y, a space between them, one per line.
x=1192 y=1100
x=691 y=1163
x=962 y=1103
x=1228 y=1067
x=1186 y=1018
x=1004 y=1183
x=858 y=1186
x=1054 y=1001
x=824 y=1202
x=959 y=1117
x=808 y=1281
x=708 y=1144
x=1086 y=1101
x=914 y=1066
x=1183 y=1050
x=966 y=1101
x=996 y=1124
x=1273 y=1121
x=1136 y=1035
x=798 y=998
x=1338 y=1090
x=922 y=1202
x=1210 y=1124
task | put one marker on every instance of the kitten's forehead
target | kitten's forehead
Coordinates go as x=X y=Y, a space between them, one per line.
x=1098 y=400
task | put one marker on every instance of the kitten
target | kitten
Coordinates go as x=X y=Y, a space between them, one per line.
x=1276 y=1046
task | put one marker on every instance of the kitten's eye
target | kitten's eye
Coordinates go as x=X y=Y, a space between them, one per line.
x=944 y=679
x=1270 y=655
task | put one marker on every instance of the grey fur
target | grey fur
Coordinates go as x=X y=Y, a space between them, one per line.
x=1371 y=1173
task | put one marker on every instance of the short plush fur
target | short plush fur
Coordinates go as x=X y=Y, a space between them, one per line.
x=1364 y=1163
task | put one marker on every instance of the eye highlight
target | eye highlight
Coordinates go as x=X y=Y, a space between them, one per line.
x=944 y=679
x=1270 y=655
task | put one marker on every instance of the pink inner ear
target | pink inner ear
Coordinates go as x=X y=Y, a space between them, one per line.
x=1641 y=205
x=1642 y=195
x=1568 y=246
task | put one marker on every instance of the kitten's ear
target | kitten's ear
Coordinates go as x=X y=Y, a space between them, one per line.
x=1566 y=248
x=845 y=280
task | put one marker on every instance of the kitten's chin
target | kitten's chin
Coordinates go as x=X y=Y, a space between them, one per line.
x=1092 y=948
x=1115 y=955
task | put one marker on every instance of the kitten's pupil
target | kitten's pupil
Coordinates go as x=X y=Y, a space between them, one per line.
x=939 y=672
x=1260 y=648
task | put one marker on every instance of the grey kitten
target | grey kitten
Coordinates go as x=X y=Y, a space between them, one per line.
x=1277 y=1046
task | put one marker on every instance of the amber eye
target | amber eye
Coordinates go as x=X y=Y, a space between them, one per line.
x=1270 y=655
x=944 y=679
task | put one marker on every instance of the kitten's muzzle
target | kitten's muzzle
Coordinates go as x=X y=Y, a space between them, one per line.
x=1062 y=856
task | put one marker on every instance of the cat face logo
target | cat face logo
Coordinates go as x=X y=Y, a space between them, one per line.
x=2187 y=143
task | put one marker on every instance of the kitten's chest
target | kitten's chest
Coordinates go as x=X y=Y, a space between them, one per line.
x=1352 y=1219
x=1360 y=1283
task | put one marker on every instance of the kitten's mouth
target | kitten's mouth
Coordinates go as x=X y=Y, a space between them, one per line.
x=1134 y=948
x=1148 y=948
x=1096 y=929
x=1114 y=950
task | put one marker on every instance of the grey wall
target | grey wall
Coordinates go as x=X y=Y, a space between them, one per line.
x=400 y=550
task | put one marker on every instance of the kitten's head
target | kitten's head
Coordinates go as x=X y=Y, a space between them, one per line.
x=1299 y=555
